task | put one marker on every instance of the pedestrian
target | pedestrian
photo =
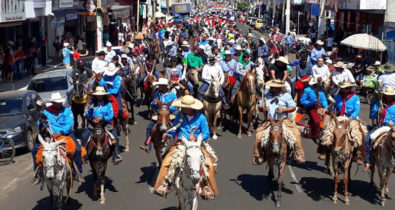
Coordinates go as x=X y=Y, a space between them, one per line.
x=20 y=63
x=9 y=61
x=57 y=45
x=2 y=57
x=67 y=55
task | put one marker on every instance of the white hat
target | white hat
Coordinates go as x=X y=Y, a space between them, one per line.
x=313 y=81
x=111 y=70
x=108 y=44
x=263 y=39
x=124 y=56
x=131 y=45
x=238 y=47
x=218 y=57
x=231 y=41
x=377 y=63
x=57 y=98
x=161 y=81
x=201 y=47
x=328 y=61
x=66 y=44
x=227 y=52
x=319 y=42
x=100 y=91
x=170 y=42
x=211 y=39
x=185 y=44
x=389 y=91
x=282 y=59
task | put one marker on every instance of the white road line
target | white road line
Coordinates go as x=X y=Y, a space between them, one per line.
x=295 y=179
x=10 y=183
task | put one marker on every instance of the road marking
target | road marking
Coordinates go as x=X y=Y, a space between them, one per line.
x=10 y=183
x=295 y=179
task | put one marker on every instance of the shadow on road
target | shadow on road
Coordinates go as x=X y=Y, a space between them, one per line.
x=144 y=114
x=87 y=186
x=322 y=188
x=258 y=186
x=149 y=174
x=45 y=203
x=170 y=208
x=310 y=165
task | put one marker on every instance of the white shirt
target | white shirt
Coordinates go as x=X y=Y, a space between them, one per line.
x=322 y=72
x=98 y=65
x=213 y=71
x=259 y=72
x=338 y=77
x=388 y=80
x=109 y=55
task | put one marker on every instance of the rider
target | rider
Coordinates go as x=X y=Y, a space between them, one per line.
x=112 y=82
x=279 y=104
x=321 y=70
x=125 y=70
x=317 y=52
x=161 y=94
x=279 y=70
x=174 y=71
x=59 y=120
x=210 y=71
x=81 y=73
x=241 y=70
x=313 y=99
x=100 y=111
x=110 y=53
x=188 y=118
x=150 y=67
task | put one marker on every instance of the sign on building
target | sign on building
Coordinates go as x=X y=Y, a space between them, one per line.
x=12 y=10
x=373 y=4
x=66 y=3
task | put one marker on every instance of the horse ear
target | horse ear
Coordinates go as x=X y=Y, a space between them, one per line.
x=391 y=124
x=154 y=117
x=41 y=140
x=335 y=118
x=270 y=119
x=59 y=142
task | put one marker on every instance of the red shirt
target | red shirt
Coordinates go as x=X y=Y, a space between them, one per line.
x=76 y=55
x=19 y=54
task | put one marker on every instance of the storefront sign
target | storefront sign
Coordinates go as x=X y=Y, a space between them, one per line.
x=373 y=4
x=66 y=3
x=349 y=4
x=12 y=10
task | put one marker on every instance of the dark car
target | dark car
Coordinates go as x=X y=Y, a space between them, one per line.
x=18 y=117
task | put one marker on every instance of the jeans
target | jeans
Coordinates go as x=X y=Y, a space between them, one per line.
x=235 y=86
x=293 y=81
x=119 y=101
x=190 y=87
x=19 y=71
x=367 y=144
x=148 y=133
x=88 y=132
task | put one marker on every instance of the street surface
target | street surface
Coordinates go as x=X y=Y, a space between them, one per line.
x=242 y=185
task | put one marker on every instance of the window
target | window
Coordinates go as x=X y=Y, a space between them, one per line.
x=48 y=84
x=11 y=106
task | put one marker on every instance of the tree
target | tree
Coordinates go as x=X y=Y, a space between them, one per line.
x=243 y=5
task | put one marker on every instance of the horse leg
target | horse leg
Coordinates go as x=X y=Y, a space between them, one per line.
x=75 y=115
x=125 y=128
x=249 y=121
x=102 y=182
x=281 y=170
x=385 y=189
x=336 y=179
x=216 y=116
x=345 y=182
x=240 y=122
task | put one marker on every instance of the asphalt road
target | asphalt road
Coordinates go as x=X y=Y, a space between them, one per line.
x=241 y=184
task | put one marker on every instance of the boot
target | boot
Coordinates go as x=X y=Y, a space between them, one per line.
x=116 y=156
x=162 y=190
x=207 y=193
x=145 y=148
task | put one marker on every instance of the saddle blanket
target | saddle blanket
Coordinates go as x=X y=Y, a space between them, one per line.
x=379 y=132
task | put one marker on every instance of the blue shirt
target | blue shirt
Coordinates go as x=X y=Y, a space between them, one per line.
x=165 y=98
x=63 y=123
x=185 y=53
x=229 y=66
x=66 y=55
x=390 y=115
x=374 y=109
x=284 y=100
x=116 y=84
x=307 y=71
x=199 y=121
x=352 y=106
x=315 y=54
x=263 y=51
x=240 y=70
x=309 y=98
x=100 y=110
x=203 y=42
x=289 y=40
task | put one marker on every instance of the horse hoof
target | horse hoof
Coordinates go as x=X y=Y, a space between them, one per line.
x=239 y=136
x=249 y=134
x=102 y=202
x=215 y=137
x=127 y=149
x=382 y=203
x=347 y=203
x=334 y=201
x=278 y=204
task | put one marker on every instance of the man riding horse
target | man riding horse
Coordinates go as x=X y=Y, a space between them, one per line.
x=167 y=97
x=278 y=104
x=194 y=61
x=59 y=121
x=100 y=111
x=210 y=71
x=189 y=119
x=242 y=67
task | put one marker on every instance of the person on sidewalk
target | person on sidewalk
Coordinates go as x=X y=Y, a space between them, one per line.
x=20 y=63
x=67 y=55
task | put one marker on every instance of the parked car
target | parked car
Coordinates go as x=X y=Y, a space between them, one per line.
x=19 y=114
x=57 y=80
x=251 y=21
x=259 y=24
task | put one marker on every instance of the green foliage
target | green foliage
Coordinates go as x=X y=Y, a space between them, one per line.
x=243 y=5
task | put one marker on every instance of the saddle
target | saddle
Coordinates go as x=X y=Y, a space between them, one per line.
x=303 y=119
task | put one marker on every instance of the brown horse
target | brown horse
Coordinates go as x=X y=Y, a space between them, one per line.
x=342 y=153
x=162 y=125
x=383 y=152
x=149 y=92
x=246 y=100
x=276 y=152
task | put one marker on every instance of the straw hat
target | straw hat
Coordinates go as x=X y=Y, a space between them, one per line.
x=185 y=44
x=232 y=41
x=329 y=61
x=238 y=47
x=111 y=70
x=100 y=91
x=319 y=42
x=161 y=81
x=275 y=83
x=347 y=84
x=124 y=56
x=377 y=63
x=57 y=98
x=188 y=101
x=282 y=59
x=339 y=64
x=389 y=91
x=263 y=39
x=10 y=43
x=66 y=44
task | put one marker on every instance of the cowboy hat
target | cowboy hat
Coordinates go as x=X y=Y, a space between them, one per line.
x=377 y=63
x=161 y=81
x=238 y=47
x=232 y=41
x=211 y=56
x=388 y=67
x=211 y=39
x=389 y=91
x=275 y=83
x=100 y=91
x=227 y=52
x=124 y=56
x=218 y=57
x=131 y=45
x=339 y=64
x=185 y=44
x=371 y=69
x=101 y=53
x=10 y=43
x=347 y=84
x=319 y=42
x=282 y=59
x=57 y=98
x=108 y=44
x=111 y=70
x=201 y=47
x=263 y=39
x=328 y=61
x=188 y=101
x=66 y=44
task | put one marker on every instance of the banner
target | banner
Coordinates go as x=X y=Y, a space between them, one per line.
x=12 y=10
x=373 y=4
x=65 y=3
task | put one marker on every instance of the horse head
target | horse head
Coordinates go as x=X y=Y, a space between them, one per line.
x=340 y=136
x=50 y=156
x=164 y=118
x=194 y=155
x=99 y=139
x=276 y=134
x=250 y=82
x=214 y=87
x=79 y=91
x=193 y=76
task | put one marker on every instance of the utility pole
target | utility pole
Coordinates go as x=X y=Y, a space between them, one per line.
x=138 y=16
x=287 y=15
x=274 y=12
x=321 y=20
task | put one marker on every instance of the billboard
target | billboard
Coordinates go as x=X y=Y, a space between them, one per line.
x=181 y=8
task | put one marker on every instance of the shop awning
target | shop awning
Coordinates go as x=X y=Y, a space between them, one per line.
x=119 y=11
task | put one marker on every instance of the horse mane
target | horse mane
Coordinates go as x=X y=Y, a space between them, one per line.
x=287 y=135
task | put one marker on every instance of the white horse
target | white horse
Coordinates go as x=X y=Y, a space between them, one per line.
x=56 y=170
x=188 y=182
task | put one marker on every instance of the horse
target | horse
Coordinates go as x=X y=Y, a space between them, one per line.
x=78 y=102
x=246 y=99
x=130 y=94
x=149 y=92
x=341 y=153
x=99 y=151
x=162 y=125
x=276 y=151
x=383 y=152
x=56 y=170
x=122 y=124
x=189 y=178
x=212 y=105
x=193 y=77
